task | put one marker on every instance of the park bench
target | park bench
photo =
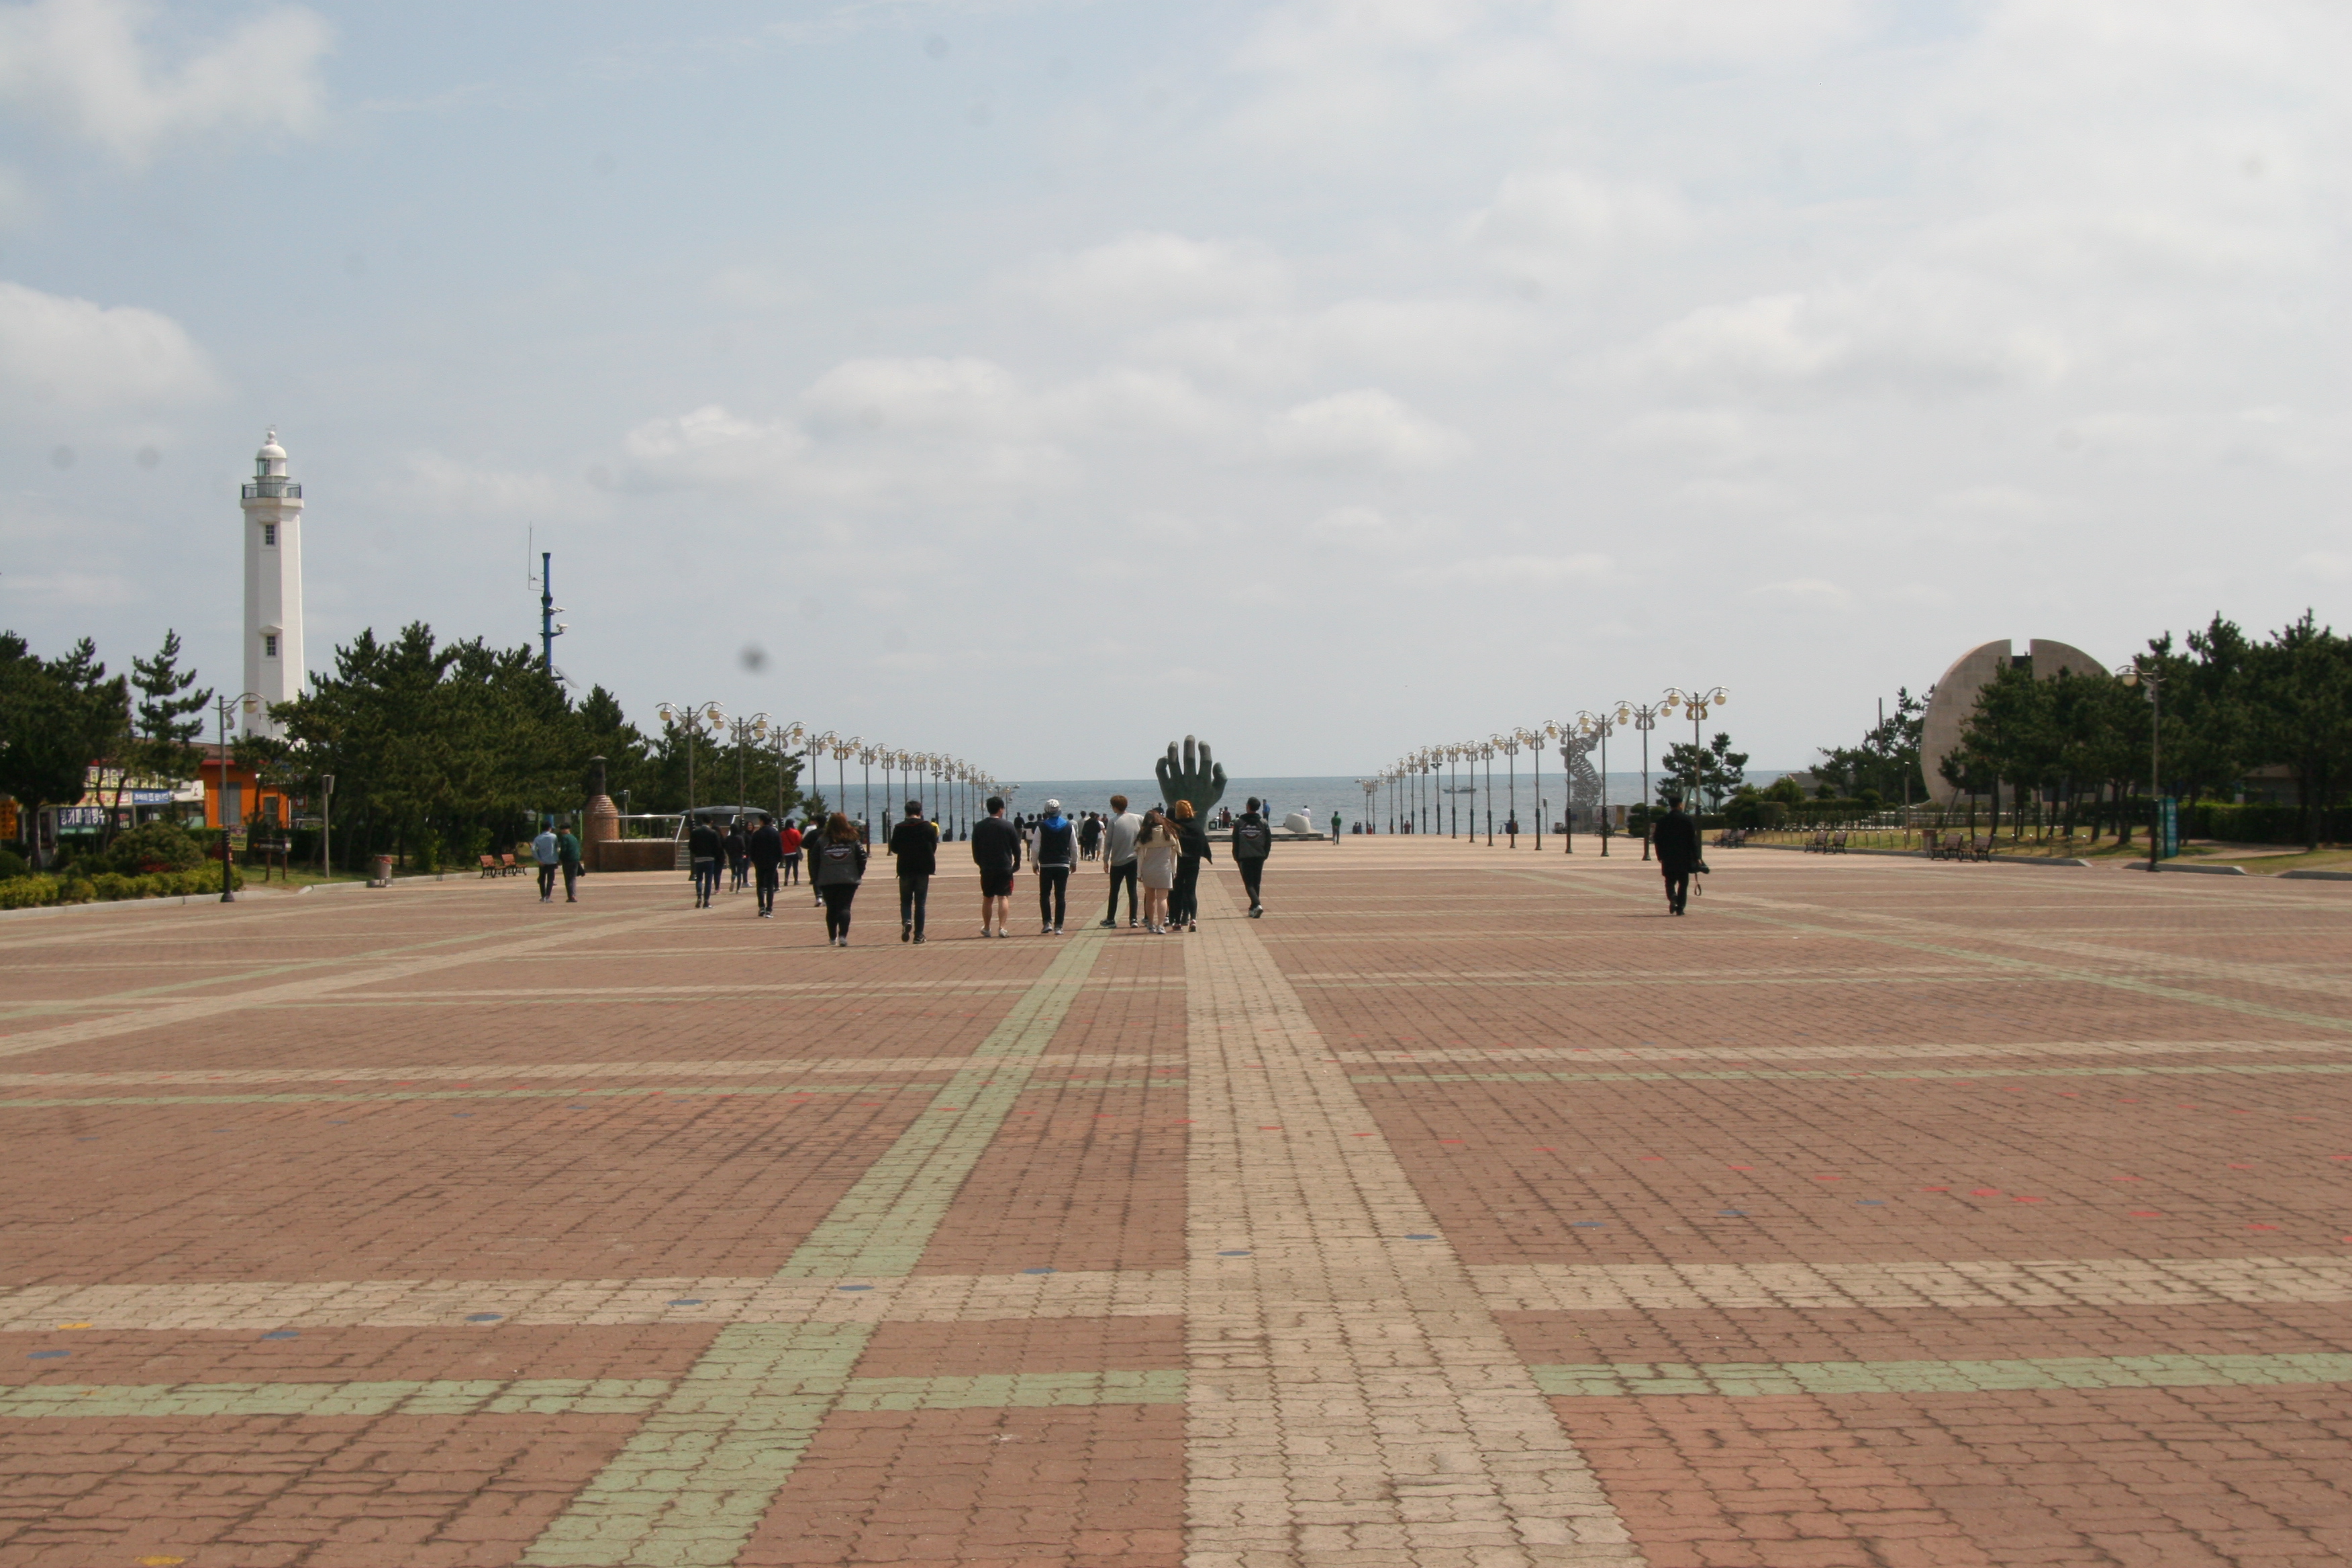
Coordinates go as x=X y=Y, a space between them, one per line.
x=490 y=867
x=1837 y=842
x=507 y=866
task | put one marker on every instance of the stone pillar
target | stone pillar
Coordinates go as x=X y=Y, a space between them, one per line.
x=600 y=823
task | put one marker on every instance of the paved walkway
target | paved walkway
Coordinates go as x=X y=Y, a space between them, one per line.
x=1464 y=1211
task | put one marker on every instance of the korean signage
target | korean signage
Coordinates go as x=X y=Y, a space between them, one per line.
x=2168 y=828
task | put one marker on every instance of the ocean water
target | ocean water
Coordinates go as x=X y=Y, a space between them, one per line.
x=1320 y=796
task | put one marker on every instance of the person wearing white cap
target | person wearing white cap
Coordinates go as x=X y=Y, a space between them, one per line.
x=1053 y=854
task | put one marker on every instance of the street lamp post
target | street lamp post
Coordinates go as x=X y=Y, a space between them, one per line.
x=691 y=721
x=1486 y=756
x=2150 y=678
x=1534 y=740
x=1370 y=787
x=844 y=748
x=1696 y=705
x=785 y=737
x=224 y=708
x=1644 y=718
x=1509 y=746
x=743 y=732
x=1601 y=725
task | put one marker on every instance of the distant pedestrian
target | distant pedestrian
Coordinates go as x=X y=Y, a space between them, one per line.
x=1253 y=842
x=790 y=839
x=1054 y=852
x=996 y=850
x=1090 y=835
x=839 y=865
x=1191 y=850
x=1118 y=857
x=567 y=855
x=1675 y=841
x=547 y=852
x=915 y=845
x=704 y=850
x=765 y=848
x=1155 y=868
x=738 y=855
x=1335 y=827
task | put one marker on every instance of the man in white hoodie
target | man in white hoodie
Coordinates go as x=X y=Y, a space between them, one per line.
x=1118 y=857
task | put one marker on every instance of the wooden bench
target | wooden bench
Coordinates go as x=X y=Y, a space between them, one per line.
x=490 y=866
x=508 y=867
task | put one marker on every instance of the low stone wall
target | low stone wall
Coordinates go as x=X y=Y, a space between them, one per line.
x=632 y=854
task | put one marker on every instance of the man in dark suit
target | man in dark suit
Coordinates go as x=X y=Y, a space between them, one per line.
x=1675 y=841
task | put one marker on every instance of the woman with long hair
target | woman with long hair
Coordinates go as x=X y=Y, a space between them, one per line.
x=836 y=867
x=1155 y=868
x=1191 y=848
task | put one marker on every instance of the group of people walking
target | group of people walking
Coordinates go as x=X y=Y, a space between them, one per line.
x=1155 y=857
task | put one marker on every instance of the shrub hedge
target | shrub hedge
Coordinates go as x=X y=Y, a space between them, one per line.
x=40 y=892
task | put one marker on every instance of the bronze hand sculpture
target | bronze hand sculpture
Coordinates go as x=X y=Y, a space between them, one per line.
x=1200 y=781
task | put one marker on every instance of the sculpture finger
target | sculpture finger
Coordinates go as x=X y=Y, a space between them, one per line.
x=1192 y=763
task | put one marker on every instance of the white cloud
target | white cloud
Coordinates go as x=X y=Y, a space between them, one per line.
x=1366 y=426
x=1140 y=278
x=85 y=67
x=1548 y=224
x=1748 y=31
x=1816 y=593
x=1914 y=332
x=757 y=289
x=1518 y=569
x=66 y=355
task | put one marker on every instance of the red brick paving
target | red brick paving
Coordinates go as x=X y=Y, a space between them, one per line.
x=1421 y=946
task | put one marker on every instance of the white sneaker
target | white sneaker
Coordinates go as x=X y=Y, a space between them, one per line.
x=1057 y=931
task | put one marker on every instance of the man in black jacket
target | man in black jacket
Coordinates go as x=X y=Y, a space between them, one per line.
x=703 y=848
x=915 y=845
x=766 y=849
x=1253 y=842
x=1675 y=839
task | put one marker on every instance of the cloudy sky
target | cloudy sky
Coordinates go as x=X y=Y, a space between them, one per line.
x=1040 y=380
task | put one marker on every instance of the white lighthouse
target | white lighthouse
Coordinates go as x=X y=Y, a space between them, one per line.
x=273 y=583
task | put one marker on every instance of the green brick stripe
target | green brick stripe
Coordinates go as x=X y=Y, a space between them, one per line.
x=693 y=1482
x=1022 y=1078
x=1744 y=1378
x=1014 y=1391
x=561 y=1397
x=1789 y=1075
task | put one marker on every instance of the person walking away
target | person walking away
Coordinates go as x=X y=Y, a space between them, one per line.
x=1155 y=868
x=915 y=845
x=547 y=852
x=1675 y=841
x=1118 y=857
x=1091 y=836
x=1191 y=848
x=1335 y=830
x=1253 y=842
x=567 y=855
x=765 y=849
x=1054 y=852
x=703 y=850
x=739 y=858
x=790 y=839
x=996 y=850
x=836 y=866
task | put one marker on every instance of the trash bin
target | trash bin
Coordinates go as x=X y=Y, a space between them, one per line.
x=382 y=876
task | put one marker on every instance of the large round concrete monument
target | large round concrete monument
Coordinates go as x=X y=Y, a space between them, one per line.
x=1956 y=699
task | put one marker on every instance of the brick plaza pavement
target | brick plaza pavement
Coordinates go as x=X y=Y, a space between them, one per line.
x=1466 y=1210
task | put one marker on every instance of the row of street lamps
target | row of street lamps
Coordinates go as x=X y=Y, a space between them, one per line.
x=1409 y=781
x=957 y=781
